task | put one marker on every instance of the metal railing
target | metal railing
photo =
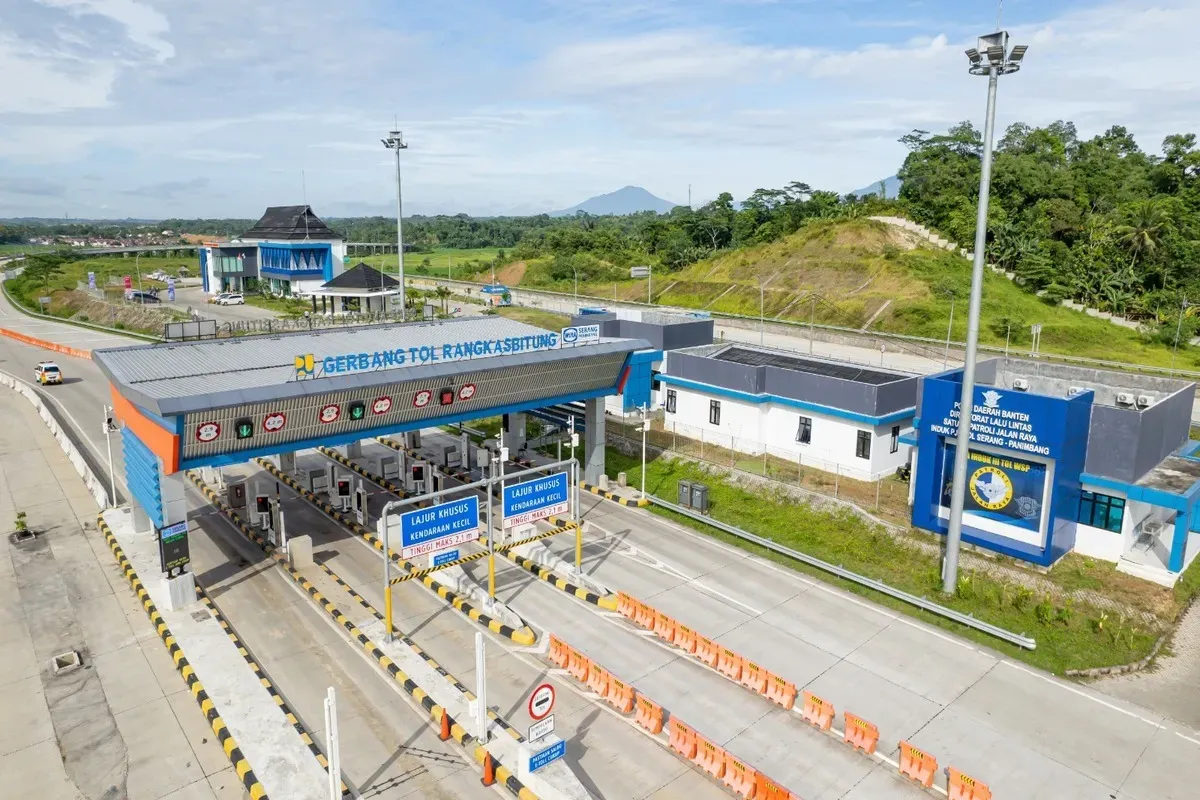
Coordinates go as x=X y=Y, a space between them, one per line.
x=1019 y=639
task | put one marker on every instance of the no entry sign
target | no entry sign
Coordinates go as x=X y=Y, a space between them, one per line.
x=541 y=702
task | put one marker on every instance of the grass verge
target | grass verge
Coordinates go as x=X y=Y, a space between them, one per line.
x=1069 y=636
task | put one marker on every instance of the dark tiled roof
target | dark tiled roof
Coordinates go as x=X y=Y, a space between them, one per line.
x=290 y=223
x=362 y=276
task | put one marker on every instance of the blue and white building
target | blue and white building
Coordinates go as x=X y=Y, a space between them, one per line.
x=288 y=252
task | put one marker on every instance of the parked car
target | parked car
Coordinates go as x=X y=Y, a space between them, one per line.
x=145 y=298
x=230 y=299
x=47 y=372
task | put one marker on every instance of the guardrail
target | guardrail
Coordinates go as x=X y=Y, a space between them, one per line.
x=1019 y=639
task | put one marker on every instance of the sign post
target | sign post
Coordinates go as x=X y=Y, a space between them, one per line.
x=539 y=498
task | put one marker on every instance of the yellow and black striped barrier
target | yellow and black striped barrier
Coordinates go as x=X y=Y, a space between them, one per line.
x=421 y=573
x=259 y=673
x=639 y=502
x=435 y=711
x=329 y=452
x=523 y=635
x=234 y=753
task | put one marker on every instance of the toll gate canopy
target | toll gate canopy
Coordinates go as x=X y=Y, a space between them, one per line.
x=209 y=403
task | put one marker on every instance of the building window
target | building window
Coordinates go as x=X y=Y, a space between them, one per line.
x=804 y=432
x=714 y=412
x=863 y=448
x=1101 y=511
x=895 y=438
x=671 y=401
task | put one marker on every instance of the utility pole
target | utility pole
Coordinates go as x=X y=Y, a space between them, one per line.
x=395 y=141
x=949 y=328
x=1178 y=329
x=996 y=59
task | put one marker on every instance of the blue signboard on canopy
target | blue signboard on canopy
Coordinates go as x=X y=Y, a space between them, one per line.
x=548 y=755
x=427 y=530
x=536 y=499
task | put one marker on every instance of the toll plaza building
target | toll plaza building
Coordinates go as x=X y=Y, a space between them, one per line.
x=1064 y=459
x=216 y=402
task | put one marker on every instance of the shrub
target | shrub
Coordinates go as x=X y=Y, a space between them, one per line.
x=20 y=524
x=1044 y=611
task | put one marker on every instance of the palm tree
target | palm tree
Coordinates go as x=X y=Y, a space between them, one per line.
x=1142 y=229
x=443 y=294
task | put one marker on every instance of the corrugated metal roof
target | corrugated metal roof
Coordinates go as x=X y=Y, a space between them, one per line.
x=228 y=371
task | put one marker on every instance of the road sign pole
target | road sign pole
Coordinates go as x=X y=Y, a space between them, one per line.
x=387 y=578
x=481 y=718
x=575 y=519
x=491 y=536
x=333 y=746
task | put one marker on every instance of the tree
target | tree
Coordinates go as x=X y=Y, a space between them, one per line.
x=1143 y=226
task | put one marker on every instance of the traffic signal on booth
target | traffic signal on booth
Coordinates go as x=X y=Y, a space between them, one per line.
x=243 y=428
x=357 y=409
x=262 y=504
x=446 y=396
x=343 y=487
x=418 y=472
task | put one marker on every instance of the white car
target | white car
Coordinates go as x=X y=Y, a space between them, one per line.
x=230 y=299
x=47 y=372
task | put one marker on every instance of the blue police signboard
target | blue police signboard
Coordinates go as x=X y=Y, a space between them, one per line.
x=535 y=499
x=547 y=756
x=427 y=530
x=445 y=557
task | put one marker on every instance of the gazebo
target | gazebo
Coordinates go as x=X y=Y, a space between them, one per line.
x=362 y=289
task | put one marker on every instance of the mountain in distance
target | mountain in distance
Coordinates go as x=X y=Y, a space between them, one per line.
x=891 y=187
x=629 y=200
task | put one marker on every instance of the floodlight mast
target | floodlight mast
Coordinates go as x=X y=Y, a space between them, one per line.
x=992 y=58
x=395 y=141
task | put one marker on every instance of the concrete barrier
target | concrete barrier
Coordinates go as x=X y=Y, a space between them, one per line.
x=94 y=484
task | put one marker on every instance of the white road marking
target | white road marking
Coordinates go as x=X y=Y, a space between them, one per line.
x=1085 y=695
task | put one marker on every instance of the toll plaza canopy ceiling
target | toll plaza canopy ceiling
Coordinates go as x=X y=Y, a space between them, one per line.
x=231 y=395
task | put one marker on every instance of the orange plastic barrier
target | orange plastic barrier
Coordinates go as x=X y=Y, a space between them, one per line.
x=685 y=638
x=709 y=757
x=644 y=616
x=664 y=627
x=626 y=605
x=964 y=787
x=816 y=711
x=860 y=734
x=649 y=714
x=706 y=650
x=51 y=346
x=598 y=678
x=741 y=779
x=579 y=666
x=682 y=738
x=767 y=789
x=916 y=764
x=754 y=677
x=559 y=652
x=780 y=691
x=729 y=664
x=619 y=694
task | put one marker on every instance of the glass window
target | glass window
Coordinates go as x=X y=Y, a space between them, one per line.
x=863 y=448
x=714 y=412
x=671 y=401
x=895 y=438
x=1101 y=511
x=804 y=432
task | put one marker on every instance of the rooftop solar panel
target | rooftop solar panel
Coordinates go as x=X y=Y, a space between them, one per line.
x=849 y=372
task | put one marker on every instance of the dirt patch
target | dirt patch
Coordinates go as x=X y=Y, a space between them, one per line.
x=512 y=274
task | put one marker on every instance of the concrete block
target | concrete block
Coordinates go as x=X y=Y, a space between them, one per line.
x=180 y=591
x=354 y=450
x=300 y=551
x=622 y=480
x=286 y=462
x=602 y=482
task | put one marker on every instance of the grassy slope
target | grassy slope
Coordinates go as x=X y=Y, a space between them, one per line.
x=414 y=263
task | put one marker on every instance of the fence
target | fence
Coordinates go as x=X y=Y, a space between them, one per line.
x=888 y=496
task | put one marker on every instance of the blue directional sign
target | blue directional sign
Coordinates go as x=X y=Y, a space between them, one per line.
x=547 y=756
x=536 y=499
x=427 y=530
x=445 y=558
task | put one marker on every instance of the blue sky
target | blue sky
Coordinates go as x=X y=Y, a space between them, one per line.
x=162 y=108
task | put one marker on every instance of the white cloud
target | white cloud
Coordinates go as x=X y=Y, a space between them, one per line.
x=144 y=25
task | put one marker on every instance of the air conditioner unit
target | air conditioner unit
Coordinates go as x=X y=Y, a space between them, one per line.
x=1144 y=401
x=1021 y=385
x=1074 y=390
x=1124 y=399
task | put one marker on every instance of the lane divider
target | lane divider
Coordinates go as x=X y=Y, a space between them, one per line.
x=639 y=502
x=259 y=673
x=436 y=712
x=607 y=602
x=857 y=732
x=52 y=346
x=234 y=753
x=523 y=635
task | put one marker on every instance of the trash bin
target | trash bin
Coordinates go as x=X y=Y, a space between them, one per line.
x=685 y=494
x=700 y=497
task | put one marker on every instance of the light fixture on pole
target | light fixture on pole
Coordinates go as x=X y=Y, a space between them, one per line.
x=109 y=429
x=395 y=141
x=992 y=58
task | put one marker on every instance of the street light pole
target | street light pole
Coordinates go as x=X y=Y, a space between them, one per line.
x=395 y=141
x=1178 y=329
x=112 y=476
x=995 y=60
x=949 y=328
x=137 y=266
x=645 y=428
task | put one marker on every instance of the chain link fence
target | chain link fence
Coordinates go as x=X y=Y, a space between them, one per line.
x=888 y=497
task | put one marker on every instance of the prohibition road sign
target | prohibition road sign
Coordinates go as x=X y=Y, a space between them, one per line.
x=541 y=702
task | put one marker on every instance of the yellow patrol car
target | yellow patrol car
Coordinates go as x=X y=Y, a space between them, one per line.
x=47 y=372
